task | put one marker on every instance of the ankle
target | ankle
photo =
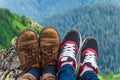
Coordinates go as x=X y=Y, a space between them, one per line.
x=35 y=72
x=50 y=69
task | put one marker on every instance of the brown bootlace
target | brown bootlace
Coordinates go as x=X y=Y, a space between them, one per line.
x=49 y=49
x=30 y=59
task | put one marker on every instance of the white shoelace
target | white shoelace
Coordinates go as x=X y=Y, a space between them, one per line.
x=90 y=57
x=68 y=51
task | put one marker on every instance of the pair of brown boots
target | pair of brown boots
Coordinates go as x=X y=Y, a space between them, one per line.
x=38 y=52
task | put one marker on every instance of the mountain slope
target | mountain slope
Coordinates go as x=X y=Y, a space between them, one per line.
x=46 y=8
x=41 y=8
x=11 y=25
x=101 y=21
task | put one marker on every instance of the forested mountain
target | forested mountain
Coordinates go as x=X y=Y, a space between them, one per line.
x=45 y=8
x=39 y=8
x=101 y=21
x=11 y=25
x=99 y=18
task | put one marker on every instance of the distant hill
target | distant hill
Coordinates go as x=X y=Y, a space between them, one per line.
x=11 y=25
x=40 y=8
x=101 y=21
x=45 y=8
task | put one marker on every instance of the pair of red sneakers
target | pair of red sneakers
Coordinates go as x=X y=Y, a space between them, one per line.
x=79 y=54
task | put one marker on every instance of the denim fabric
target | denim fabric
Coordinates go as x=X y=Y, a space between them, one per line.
x=35 y=72
x=67 y=72
x=50 y=69
x=89 y=75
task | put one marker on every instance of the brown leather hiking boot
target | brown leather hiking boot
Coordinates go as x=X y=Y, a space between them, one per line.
x=49 y=46
x=27 y=49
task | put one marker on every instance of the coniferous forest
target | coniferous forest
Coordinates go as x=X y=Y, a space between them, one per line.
x=101 y=20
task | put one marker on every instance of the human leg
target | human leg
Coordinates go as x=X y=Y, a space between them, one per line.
x=28 y=53
x=68 y=53
x=89 y=56
x=49 y=42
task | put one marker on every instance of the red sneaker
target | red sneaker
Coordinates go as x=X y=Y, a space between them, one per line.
x=89 y=55
x=69 y=48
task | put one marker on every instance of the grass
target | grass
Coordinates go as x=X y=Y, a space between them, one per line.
x=11 y=25
x=109 y=76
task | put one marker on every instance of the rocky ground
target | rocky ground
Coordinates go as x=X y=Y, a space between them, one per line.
x=9 y=63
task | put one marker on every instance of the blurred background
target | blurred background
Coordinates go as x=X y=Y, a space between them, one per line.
x=99 y=18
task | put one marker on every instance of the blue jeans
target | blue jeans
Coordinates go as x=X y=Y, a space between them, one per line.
x=67 y=72
x=36 y=73
x=89 y=75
